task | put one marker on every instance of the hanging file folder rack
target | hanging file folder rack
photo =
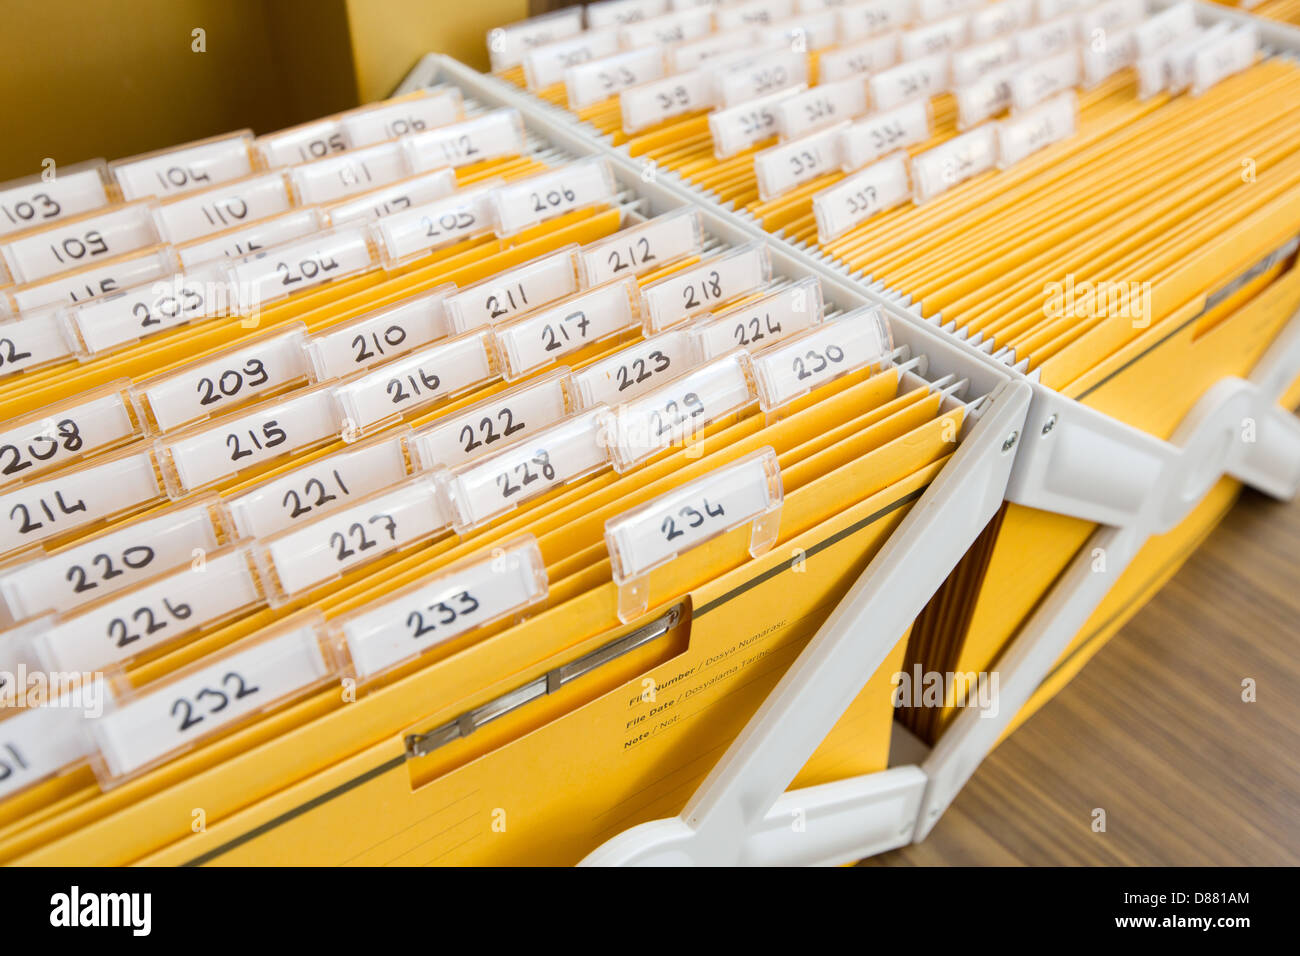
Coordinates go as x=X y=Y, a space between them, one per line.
x=1071 y=460
x=946 y=515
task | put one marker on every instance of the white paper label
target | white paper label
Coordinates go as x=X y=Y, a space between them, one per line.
x=956 y=161
x=869 y=139
x=185 y=169
x=785 y=167
x=1037 y=129
x=399 y=197
x=40 y=741
x=365 y=127
x=39 y=203
x=838 y=346
x=293 y=268
x=755 y=13
x=942 y=37
x=594 y=82
x=688 y=516
x=975 y=62
x=679 y=409
x=988 y=96
x=676 y=95
x=691 y=56
x=355 y=171
x=743 y=126
x=1109 y=17
x=1165 y=27
x=507 y=45
x=227 y=206
x=860 y=196
x=545 y=66
x=938 y=9
x=865 y=57
x=321 y=550
x=244 y=441
x=108 y=563
x=379 y=336
x=208 y=388
x=490 y=136
x=165 y=304
x=241 y=242
x=426 y=375
x=915 y=79
x=302 y=144
x=518 y=290
x=611 y=13
x=705 y=286
x=469 y=434
x=1117 y=52
x=551 y=334
x=860 y=20
x=434 y=225
x=35 y=512
x=484 y=489
x=764 y=321
x=822 y=106
x=77 y=244
x=642 y=248
x=536 y=199
x=93 y=282
x=30 y=342
x=448 y=606
x=1037 y=82
x=151 y=615
x=1000 y=19
x=1222 y=58
x=760 y=76
x=149 y=728
x=1047 y=39
x=634 y=370
x=68 y=433
x=679 y=27
x=323 y=485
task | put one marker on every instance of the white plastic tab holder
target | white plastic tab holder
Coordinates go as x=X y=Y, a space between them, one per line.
x=680 y=26
x=32 y=341
x=412 y=233
x=493 y=135
x=856 y=198
x=321 y=550
x=747 y=491
x=1222 y=58
x=418 y=379
x=1039 y=81
x=494 y=422
x=251 y=677
x=676 y=298
x=926 y=77
x=528 y=202
x=74 y=242
x=159 y=611
x=612 y=13
x=453 y=602
x=507 y=45
x=182 y=169
x=393 y=198
x=547 y=335
x=765 y=320
x=489 y=487
x=880 y=134
x=544 y=66
x=326 y=484
x=679 y=410
x=739 y=127
x=825 y=104
x=379 y=336
x=636 y=368
x=77 y=498
x=121 y=319
x=210 y=452
x=87 y=424
x=767 y=73
x=861 y=59
x=942 y=36
x=97 y=280
x=532 y=285
x=651 y=245
x=975 y=62
x=301 y=144
x=112 y=561
x=300 y=265
x=39 y=742
x=403 y=116
x=1001 y=19
x=1050 y=122
x=358 y=170
x=222 y=207
x=659 y=100
x=254 y=368
x=857 y=21
x=1165 y=27
x=986 y=97
x=31 y=201
x=246 y=240
x=752 y=13
x=598 y=80
x=789 y=370
x=938 y=170
x=1046 y=39
x=788 y=166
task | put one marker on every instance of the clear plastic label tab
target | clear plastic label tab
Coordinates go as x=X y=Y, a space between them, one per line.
x=847 y=343
x=641 y=249
x=705 y=286
x=854 y=200
x=550 y=334
x=534 y=200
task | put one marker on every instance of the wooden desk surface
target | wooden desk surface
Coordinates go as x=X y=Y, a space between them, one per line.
x=1155 y=732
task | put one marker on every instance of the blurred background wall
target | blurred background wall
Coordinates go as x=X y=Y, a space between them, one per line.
x=83 y=79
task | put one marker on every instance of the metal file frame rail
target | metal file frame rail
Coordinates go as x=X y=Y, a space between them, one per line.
x=1067 y=459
